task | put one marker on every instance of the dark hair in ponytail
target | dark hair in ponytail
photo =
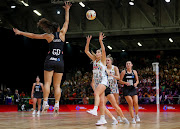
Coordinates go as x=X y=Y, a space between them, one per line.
x=47 y=26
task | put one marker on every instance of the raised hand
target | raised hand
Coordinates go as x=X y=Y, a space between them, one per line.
x=89 y=38
x=67 y=5
x=101 y=36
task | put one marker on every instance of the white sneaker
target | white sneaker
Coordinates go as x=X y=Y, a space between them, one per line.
x=125 y=121
x=119 y=120
x=45 y=107
x=115 y=122
x=56 y=109
x=34 y=112
x=101 y=122
x=38 y=113
x=93 y=112
x=137 y=118
x=133 y=121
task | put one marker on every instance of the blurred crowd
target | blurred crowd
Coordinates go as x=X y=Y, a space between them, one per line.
x=77 y=90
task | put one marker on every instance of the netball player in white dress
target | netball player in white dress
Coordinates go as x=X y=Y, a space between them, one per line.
x=100 y=82
x=112 y=79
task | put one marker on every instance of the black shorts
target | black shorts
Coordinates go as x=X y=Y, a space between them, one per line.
x=38 y=95
x=52 y=65
x=108 y=91
x=129 y=91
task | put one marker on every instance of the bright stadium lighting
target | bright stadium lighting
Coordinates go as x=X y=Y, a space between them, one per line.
x=82 y=4
x=139 y=44
x=170 y=39
x=36 y=12
x=58 y=12
x=13 y=6
x=131 y=2
x=25 y=4
x=168 y=1
x=110 y=48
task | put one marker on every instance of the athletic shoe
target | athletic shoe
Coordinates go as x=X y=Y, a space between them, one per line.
x=115 y=122
x=137 y=118
x=34 y=112
x=93 y=112
x=133 y=121
x=38 y=113
x=119 y=119
x=101 y=122
x=56 y=109
x=45 y=107
x=125 y=121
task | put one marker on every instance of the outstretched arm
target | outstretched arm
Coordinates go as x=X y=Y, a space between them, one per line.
x=101 y=37
x=92 y=57
x=66 y=23
x=31 y=35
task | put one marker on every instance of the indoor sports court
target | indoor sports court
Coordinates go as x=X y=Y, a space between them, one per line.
x=67 y=120
x=90 y=64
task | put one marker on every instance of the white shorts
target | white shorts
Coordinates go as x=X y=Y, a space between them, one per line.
x=104 y=81
x=114 y=90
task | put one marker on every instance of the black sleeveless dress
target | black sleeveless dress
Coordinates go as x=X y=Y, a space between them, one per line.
x=129 y=90
x=54 y=60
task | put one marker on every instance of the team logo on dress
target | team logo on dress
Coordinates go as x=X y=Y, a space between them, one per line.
x=58 y=59
x=57 y=40
x=54 y=59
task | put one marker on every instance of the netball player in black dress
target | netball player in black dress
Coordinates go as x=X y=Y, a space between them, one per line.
x=37 y=95
x=129 y=78
x=54 y=64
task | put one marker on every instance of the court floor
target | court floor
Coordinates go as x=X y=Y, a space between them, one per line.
x=82 y=120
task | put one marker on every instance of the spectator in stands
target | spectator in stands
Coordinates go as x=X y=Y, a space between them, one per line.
x=9 y=92
x=22 y=95
x=170 y=98
x=163 y=98
x=1 y=97
x=152 y=98
x=16 y=97
x=175 y=99
x=85 y=100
